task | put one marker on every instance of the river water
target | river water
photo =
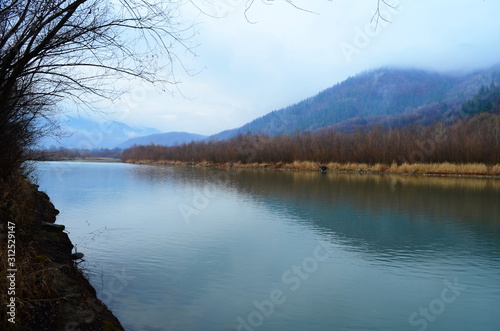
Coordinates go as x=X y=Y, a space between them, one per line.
x=182 y=248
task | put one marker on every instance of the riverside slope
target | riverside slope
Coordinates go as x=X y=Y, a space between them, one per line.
x=52 y=293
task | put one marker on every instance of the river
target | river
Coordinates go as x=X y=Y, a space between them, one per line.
x=183 y=248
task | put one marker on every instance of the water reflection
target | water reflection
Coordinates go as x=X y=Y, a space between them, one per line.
x=372 y=209
x=393 y=241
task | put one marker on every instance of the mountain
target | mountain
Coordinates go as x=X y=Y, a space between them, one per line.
x=165 y=139
x=85 y=133
x=382 y=95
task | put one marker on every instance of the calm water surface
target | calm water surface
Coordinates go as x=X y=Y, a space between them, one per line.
x=180 y=248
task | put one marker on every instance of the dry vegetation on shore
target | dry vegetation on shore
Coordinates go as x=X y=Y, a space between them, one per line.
x=48 y=289
x=467 y=147
x=470 y=169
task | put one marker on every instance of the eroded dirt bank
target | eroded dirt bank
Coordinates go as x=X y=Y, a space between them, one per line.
x=42 y=286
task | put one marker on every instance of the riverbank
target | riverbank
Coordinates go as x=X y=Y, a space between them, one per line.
x=424 y=169
x=90 y=159
x=42 y=286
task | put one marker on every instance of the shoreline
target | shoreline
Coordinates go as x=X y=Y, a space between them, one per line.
x=471 y=170
x=68 y=295
x=50 y=291
x=82 y=159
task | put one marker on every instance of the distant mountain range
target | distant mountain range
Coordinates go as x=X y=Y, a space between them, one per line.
x=386 y=96
x=85 y=133
x=383 y=96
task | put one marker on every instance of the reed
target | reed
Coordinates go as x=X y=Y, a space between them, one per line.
x=445 y=168
x=411 y=149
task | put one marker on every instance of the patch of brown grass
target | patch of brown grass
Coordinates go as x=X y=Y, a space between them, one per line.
x=495 y=170
x=445 y=168
x=379 y=167
x=48 y=284
x=23 y=206
x=302 y=165
x=335 y=166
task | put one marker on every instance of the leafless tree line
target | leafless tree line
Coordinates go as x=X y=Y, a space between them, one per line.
x=471 y=140
x=54 y=50
x=80 y=50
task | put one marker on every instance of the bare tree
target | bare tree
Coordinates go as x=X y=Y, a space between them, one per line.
x=377 y=16
x=52 y=50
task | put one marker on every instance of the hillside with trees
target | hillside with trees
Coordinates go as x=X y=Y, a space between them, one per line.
x=378 y=96
x=467 y=132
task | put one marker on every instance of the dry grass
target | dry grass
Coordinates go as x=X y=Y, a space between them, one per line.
x=446 y=169
x=495 y=170
x=380 y=167
x=21 y=206
x=476 y=169
x=49 y=287
x=334 y=166
x=302 y=165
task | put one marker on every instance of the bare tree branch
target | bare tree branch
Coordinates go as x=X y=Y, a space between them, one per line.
x=250 y=3
x=377 y=16
x=51 y=50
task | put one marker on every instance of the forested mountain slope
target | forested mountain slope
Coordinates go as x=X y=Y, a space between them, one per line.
x=374 y=96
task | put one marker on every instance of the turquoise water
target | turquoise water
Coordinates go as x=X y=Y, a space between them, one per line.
x=181 y=248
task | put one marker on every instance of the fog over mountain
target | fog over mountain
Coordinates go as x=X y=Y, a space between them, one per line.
x=387 y=96
x=381 y=96
x=245 y=70
x=86 y=133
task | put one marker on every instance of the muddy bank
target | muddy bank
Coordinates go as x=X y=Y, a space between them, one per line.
x=45 y=288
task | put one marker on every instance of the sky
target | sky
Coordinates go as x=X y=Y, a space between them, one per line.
x=278 y=55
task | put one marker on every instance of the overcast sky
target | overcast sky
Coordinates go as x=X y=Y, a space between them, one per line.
x=285 y=55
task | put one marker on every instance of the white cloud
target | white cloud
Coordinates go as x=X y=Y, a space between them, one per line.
x=289 y=55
